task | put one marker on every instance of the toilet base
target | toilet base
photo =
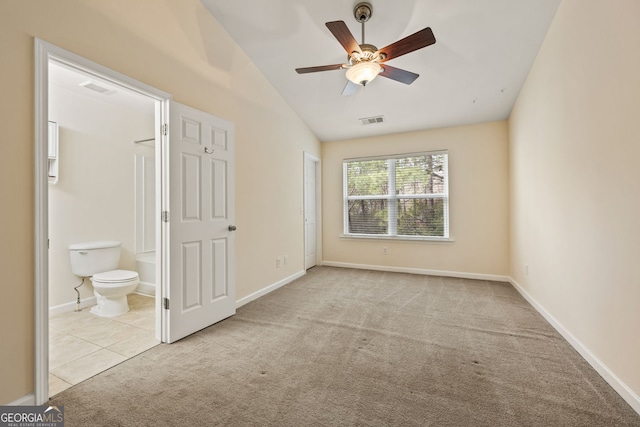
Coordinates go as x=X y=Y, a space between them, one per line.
x=111 y=306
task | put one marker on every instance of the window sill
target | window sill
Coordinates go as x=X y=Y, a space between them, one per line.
x=400 y=238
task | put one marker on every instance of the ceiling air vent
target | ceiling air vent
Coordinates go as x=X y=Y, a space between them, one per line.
x=96 y=87
x=372 y=120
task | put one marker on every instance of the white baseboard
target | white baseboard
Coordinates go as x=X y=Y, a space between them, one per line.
x=71 y=306
x=461 y=275
x=28 y=400
x=603 y=370
x=148 y=289
x=270 y=288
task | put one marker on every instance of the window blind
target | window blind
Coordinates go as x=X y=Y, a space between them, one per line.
x=397 y=196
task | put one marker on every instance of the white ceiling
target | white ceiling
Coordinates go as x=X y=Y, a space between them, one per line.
x=483 y=52
x=71 y=79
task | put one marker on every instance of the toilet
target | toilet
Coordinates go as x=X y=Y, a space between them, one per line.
x=99 y=260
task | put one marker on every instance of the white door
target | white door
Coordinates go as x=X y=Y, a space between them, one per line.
x=199 y=223
x=310 y=231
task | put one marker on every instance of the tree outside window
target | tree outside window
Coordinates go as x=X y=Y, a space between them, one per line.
x=397 y=196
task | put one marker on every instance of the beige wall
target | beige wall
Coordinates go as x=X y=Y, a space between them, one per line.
x=94 y=198
x=175 y=46
x=575 y=205
x=478 y=205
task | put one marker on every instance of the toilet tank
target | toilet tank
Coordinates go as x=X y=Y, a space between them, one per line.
x=91 y=258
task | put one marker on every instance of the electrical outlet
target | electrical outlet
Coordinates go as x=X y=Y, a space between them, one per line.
x=285 y=259
x=278 y=262
x=385 y=251
x=526 y=270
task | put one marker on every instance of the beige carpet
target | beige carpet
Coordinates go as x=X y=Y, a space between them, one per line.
x=342 y=347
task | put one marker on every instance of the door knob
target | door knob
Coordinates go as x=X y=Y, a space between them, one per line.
x=232 y=228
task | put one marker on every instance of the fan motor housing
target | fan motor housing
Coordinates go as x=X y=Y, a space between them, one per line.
x=369 y=53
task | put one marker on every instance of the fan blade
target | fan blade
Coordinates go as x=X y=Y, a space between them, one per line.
x=350 y=88
x=320 y=68
x=415 y=41
x=399 y=75
x=341 y=32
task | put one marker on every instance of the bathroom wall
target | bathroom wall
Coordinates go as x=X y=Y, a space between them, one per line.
x=145 y=194
x=94 y=198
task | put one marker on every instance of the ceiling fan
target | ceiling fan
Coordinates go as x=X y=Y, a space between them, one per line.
x=365 y=61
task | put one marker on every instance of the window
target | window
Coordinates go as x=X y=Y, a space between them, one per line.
x=403 y=196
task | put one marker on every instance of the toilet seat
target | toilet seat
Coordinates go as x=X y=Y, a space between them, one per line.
x=111 y=289
x=115 y=277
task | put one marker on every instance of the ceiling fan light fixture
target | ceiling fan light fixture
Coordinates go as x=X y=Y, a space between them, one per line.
x=363 y=72
x=363 y=60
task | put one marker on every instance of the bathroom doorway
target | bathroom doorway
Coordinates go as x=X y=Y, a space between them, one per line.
x=195 y=265
x=88 y=211
x=102 y=187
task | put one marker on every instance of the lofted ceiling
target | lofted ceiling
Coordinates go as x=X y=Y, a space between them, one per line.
x=472 y=74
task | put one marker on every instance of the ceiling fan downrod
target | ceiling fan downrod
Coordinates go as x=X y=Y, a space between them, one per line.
x=362 y=13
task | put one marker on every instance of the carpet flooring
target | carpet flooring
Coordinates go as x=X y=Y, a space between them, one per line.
x=342 y=347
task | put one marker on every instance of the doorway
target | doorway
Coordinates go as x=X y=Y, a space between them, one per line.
x=102 y=187
x=49 y=55
x=194 y=194
x=312 y=209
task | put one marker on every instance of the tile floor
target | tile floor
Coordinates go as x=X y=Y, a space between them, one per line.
x=82 y=344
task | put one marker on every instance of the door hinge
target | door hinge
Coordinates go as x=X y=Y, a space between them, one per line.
x=165 y=216
x=164 y=129
x=166 y=303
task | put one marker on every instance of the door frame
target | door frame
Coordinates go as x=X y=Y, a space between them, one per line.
x=45 y=52
x=318 y=191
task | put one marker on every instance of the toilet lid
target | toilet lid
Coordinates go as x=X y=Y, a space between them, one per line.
x=115 y=276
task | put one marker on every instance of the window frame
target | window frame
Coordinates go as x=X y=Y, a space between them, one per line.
x=393 y=197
